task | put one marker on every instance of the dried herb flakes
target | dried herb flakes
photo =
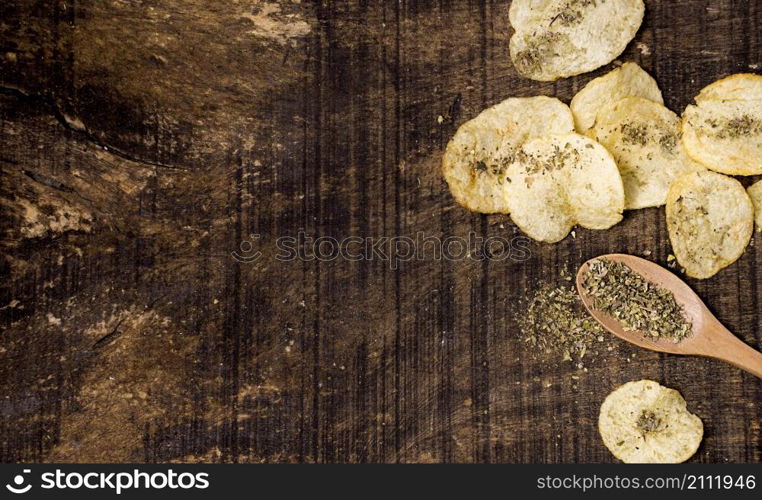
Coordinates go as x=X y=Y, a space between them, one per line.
x=556 y=320
x=636 y=303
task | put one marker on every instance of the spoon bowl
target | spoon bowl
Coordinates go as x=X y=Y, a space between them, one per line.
x=708 y=336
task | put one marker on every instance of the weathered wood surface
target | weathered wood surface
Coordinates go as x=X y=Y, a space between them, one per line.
x=144 y=141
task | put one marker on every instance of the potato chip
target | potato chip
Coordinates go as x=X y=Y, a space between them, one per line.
x=644 y=138
x=558 y=181
x=644 y=422
x=476 y=158
x=559 y=38
x=710 y=219
x=723 y=130
x=755 y=193
x=601 y=92
x=521 y=12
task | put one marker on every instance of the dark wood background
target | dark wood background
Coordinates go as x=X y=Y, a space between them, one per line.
x=144 y=140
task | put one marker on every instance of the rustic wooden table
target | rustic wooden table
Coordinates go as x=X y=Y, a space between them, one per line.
x=145 y=141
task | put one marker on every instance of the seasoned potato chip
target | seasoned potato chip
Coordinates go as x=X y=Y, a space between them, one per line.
x=724 y=129
x=644 y=138
x=738 y=87
x=475 y=160
x=755 y=193
x=558 y=181
x=559 y=38
x=644 y=422
x=601 y=92
x=710 y=219
x=521 y=12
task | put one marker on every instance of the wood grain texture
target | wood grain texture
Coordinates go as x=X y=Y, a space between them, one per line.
x=144 y=141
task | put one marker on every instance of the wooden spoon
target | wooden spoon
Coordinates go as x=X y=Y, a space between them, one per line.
x=708 y=338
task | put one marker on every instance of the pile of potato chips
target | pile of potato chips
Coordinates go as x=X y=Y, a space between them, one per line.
x=615 y=148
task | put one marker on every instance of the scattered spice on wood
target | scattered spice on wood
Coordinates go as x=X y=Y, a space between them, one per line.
x=555 y=320
x=636 y=303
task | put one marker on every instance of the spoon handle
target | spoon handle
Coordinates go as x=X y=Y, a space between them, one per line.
x=727 y=347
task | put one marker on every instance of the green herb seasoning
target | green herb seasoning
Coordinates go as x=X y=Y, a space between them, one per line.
x=561 y=158
x=634 y=133
x=486 y=162
x=540 y=47
x=733 y=128
x=555 y=320
x=669 y=142
x=636 y=303
x=648 y=422
x=573 y=12
x=543 y=44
